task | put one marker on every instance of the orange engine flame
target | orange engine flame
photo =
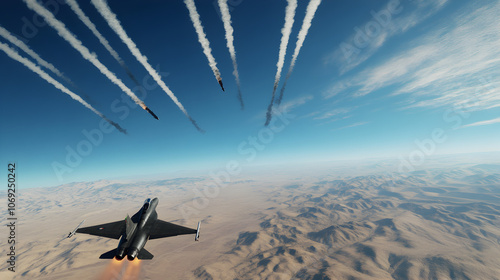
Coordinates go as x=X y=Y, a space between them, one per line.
x=133 y=270
x=121 y=270
x=112 y=270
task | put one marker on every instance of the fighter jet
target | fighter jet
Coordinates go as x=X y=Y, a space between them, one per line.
x=72 y=233
x=136 y=231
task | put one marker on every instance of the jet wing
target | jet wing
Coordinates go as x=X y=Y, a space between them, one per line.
x=110 y=230
x=163 y=229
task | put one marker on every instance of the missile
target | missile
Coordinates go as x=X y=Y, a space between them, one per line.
x=71 y=233
x=197 y=237
x=220 y=83
x=151 y=112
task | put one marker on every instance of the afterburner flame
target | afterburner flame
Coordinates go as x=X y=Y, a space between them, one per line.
x=121 y=270
x=133 y=270
x=112 y=270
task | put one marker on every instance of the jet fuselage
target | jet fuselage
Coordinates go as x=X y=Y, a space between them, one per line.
x=138 y=230
x=134 y=232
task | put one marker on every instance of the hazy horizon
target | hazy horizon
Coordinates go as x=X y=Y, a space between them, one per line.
x=371 y=80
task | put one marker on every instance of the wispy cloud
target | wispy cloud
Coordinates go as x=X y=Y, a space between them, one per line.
x=353 y=125
x=393 y=19
x=493 y=121
x=334 y=119
x=452 y=65
x=289 y=105
x=333 y=113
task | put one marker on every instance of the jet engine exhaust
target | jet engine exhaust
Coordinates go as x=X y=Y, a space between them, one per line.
x=132 y=254
x=133 y=270
x=112 y=270
x=124 y=270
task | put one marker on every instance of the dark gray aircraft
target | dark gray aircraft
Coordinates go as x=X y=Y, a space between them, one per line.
x=136 y=231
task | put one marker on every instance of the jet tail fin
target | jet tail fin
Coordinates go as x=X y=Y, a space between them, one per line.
x=108 y=255
x=144 y=255
x=129 y=225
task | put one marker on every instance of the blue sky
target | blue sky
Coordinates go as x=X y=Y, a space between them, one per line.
x=372 y=78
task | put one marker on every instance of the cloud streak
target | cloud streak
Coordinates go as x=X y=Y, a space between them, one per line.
x=33 y=67
x=226 y=18
x=113 y=22
x=352 y=125
x=492 y=121
x=452 y=65
x=202 y=38
x=286 y=30
x=77 y=45
x=393 y=19
x=333 y=113
x=81 y=15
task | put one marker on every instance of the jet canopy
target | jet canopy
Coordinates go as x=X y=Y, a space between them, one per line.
x=146 y=203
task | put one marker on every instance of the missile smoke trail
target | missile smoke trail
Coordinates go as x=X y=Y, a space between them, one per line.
x=133 y=270
x=81 y=15
x=113 y=22
x=310 y=11
x=77 y=44
x=202 y=38
x=20 y=44
x=286 y=30
x=33 y=67
x=113 y=270
x=226 y=18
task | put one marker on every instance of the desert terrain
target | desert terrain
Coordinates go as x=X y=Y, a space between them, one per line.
x=336 y=222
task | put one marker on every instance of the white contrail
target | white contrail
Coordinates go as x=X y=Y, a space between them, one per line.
x=113 y=22
x=77 y=44
x=81 y=15
x=286 y=30
x=226 y=18
x=202 y=38
x=33 y=67
x=310 y=11
x=20 y=44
